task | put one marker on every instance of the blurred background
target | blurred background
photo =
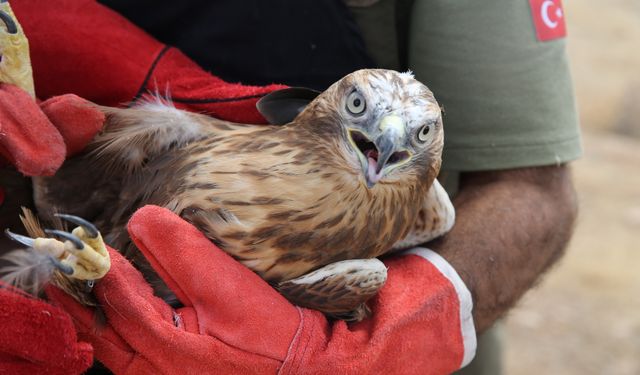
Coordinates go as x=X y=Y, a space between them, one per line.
x=584 y=317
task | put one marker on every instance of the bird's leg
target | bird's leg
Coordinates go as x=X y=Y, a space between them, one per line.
x=436 y=217
x=15 y=63
x=339 y=289
x=83 y=254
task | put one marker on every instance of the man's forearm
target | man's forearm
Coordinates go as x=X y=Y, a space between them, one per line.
x=510 y=226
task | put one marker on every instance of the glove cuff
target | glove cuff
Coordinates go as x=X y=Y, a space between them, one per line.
x=421 y=324
x=467 y=328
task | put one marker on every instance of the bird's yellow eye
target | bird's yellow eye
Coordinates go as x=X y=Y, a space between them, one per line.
x=423 y=133
x=355 y=103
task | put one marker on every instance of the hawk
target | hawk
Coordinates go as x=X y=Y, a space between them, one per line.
x=345 y=176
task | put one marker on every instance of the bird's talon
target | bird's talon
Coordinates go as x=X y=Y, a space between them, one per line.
x=64 y=268
x=67 y=236
x=88 y=227
x=27 y=241
x=9 y=22
x=86 y=252
x=88 y=286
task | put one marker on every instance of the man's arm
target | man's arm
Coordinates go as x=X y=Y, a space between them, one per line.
x=510 y=227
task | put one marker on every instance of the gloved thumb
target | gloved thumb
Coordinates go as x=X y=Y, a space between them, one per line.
x=77 y=120
x=28 y=140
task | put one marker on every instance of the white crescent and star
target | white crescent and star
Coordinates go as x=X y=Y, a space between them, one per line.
x=544 y=12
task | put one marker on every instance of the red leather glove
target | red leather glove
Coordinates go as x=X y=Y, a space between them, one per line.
x=38 y=338
x=234 y=322
x=36 y=138
x=85 y=48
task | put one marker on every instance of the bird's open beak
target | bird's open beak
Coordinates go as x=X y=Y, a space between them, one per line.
x=385 y=153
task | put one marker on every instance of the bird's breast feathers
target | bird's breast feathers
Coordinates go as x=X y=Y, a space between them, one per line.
x=291 y=206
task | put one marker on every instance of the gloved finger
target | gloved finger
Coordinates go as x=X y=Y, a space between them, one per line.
x=84 y=317
x=86 y=321
x=28 y=139
x=77 y=120
x=125 y=297
x=39 y=332
x=123 y=294
x=225 y=293
x=109 y=347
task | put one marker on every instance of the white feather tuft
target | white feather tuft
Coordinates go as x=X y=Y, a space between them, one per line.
x=150 y=128
x=407 y=75
x=27 y=269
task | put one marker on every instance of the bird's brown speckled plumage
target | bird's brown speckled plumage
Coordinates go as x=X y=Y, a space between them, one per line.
x=283 y=200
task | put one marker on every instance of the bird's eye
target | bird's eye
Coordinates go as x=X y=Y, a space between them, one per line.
x=355 y=103
x=423 y=133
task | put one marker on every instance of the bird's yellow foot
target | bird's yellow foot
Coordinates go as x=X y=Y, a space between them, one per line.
x=83 y=254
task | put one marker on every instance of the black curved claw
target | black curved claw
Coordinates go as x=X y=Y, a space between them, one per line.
x=64 y=268
x=12 y=28
x=67 y=236
x=88 y=227
x=88 y=286
x=28 y=241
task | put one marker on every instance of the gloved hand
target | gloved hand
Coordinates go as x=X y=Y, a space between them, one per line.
x=38 y=338
x=234 y=322
x=36 y=138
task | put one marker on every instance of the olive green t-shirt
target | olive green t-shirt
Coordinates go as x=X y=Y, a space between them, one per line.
x=507 y=97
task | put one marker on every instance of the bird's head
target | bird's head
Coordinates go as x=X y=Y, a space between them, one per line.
x=390 y=124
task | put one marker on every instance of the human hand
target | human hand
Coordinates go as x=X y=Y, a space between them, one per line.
x=234 y=322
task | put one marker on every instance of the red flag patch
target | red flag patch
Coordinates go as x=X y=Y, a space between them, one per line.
x=548 y=18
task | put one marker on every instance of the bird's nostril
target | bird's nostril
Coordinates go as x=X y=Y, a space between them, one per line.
x=398 y=157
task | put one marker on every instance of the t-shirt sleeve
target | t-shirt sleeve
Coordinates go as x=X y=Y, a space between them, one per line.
x=508 y=98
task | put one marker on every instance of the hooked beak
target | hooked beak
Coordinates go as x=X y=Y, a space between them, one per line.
x=383 y=154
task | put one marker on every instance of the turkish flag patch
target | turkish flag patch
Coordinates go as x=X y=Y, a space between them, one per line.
x=548 y=18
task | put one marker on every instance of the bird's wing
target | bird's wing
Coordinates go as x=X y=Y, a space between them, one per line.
x=91 y=185
x=338 y=289
x=436 y=218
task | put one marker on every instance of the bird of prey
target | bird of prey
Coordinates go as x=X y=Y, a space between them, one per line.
x=308 y=204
